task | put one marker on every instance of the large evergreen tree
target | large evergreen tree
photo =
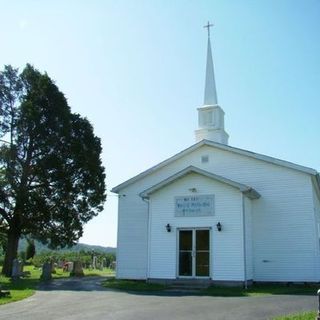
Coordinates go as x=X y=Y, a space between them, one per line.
x=51 y=176
x=31 y=249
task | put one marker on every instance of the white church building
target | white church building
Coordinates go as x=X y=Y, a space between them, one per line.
x=218 y=213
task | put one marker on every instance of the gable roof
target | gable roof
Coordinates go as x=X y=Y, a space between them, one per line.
x=248 y=191
x=224 y=147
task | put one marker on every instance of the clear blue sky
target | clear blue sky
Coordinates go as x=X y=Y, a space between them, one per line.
x=135 y=69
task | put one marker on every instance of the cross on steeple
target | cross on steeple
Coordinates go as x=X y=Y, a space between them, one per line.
x=208 y=26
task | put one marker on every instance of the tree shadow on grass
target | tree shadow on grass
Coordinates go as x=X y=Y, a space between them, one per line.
x=86 y=283
x=100 y=283
x=18 y=284
x=256 y=290
x=95 y=283
x=18 y=289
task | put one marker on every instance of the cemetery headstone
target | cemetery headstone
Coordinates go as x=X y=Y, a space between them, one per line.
x=70 y=266
x=77 y=270
x=94 y=262
x=16 y=269
x=53 y=267
x=46 y=271
x=21 y=265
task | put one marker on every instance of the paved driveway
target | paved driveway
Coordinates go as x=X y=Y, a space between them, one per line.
x=75 y=299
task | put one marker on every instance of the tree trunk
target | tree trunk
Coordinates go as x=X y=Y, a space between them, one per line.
x=11 y=252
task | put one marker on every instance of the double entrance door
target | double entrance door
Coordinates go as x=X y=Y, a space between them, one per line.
x=194 y=253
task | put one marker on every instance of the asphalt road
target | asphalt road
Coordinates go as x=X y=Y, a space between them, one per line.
x=77 y=299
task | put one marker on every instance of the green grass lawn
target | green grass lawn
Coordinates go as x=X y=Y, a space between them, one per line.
x=301 y=316
x=106 y=272
x=261 y=289
x=132 y=285
x=25 y=287
x=255 y=290
x=268 y=289
x=22 y=288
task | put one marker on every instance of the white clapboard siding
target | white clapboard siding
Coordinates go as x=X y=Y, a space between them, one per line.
x=283 y=236
x=248 y=238
x=227 y=253
x=316 y=204
x=132 y=237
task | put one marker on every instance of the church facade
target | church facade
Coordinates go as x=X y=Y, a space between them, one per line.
x=218 y=213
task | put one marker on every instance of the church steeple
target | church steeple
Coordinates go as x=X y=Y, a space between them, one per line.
x=211 y=115
x=210 y=92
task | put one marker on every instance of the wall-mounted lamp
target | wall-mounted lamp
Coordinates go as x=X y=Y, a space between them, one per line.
x=168 y=227
x=193 y=190
x=219 y=226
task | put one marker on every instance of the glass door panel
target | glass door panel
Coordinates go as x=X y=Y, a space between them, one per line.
x=185 y=253
x=194 y=253
x=202 y=254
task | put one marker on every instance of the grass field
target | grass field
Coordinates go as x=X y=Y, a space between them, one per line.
x=132 y=285
x=25 y=287
x=300 y=316
x=102 y=273
x=261 y=289
x=22 y=288
x=255 y=290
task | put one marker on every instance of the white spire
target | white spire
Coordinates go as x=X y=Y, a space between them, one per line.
x=210 y=93
x=211 y=115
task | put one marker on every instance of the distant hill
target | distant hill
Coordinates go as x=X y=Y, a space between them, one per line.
x=78 y=247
